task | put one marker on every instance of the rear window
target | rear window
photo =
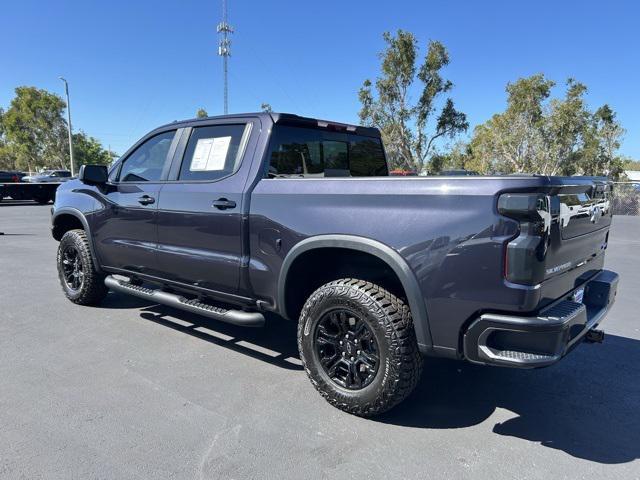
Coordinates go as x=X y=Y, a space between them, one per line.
x=307 y=152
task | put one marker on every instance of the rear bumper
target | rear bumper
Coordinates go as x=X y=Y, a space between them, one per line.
x=530 y=342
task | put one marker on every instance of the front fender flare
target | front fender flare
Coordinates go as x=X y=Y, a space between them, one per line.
x=385 y=253
x=85 y=225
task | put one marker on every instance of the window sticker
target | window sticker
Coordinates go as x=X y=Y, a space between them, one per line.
x=210 y=154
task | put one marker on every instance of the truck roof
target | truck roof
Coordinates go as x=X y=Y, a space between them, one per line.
x=286 y=119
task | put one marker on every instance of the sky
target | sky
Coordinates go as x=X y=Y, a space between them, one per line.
x=135 y=65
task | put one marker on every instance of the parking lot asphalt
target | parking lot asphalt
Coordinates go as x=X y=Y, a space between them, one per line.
x=131 y=390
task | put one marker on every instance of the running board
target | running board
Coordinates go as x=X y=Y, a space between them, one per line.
x=236 y=317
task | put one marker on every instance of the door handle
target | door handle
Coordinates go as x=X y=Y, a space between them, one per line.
x=146 y=200
x=223 y=204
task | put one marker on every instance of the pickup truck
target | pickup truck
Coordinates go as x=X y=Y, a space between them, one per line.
x=236 y=216
x=13 y=184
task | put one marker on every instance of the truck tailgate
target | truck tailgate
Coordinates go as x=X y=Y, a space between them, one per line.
x=564 y=229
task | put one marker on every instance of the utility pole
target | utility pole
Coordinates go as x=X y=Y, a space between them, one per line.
x=224 y=50
x=66 y=90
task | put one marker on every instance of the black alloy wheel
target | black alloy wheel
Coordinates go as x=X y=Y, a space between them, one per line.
x=81 y=282
x=72 y=269
x=347 y=349
x=358 y=346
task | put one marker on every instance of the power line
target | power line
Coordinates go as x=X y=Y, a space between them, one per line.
x=224 y=50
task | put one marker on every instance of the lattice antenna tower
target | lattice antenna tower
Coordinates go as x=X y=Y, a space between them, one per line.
x=224 y=50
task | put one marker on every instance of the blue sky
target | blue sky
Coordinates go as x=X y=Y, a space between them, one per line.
x=133 y=65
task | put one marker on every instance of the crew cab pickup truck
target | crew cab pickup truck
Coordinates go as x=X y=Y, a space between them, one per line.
x=236 y=216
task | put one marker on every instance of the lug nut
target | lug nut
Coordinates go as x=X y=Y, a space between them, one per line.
x=352 y=359
x=358 y=352
x=343 y=354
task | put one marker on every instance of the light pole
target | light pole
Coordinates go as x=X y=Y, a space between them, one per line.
x=66 y=90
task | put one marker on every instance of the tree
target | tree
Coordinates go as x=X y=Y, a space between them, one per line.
x=33 y=134
x=609 y=132
x=88 y=150
x=405 y=125
x=456 y=158
x=201 y=113
x=630 y=164
x=536 y=134
x=7 y=162
x=35 y=129
x=266 y=107
x=512 y=141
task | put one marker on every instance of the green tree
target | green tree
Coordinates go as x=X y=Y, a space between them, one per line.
x=201 y=113
x=405 y=125
x=35 y=130
x=630 y=163
x=7 y=162
x=608 y=132
x=266 y=107
x=536 y=134
x=88 y=150
x=456 y=158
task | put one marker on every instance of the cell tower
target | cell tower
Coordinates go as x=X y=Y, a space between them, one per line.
x=224 y=50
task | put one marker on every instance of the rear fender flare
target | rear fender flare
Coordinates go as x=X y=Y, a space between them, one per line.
x=391 y=257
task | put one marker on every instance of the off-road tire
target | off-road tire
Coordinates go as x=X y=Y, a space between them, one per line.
x=92 y=290
x=389 y=319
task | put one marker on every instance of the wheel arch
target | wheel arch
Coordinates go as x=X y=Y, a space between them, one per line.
x=384 y=253
x=68 y=218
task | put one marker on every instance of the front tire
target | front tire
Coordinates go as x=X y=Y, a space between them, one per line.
x=80 y=281
x=358 y=346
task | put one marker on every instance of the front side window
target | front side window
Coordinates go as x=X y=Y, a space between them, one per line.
x=147 y=161
x=214 y=151
x=309 y=152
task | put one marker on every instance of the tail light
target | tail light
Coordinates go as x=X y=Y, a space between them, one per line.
x=15 y=178
x=525 y=254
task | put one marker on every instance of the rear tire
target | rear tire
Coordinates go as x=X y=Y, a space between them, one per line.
x=358 y=346
x=80 y=281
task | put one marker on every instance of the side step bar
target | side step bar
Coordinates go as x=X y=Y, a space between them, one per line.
x=236 y=317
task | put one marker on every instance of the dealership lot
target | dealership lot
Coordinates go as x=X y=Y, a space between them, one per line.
x=134 y=390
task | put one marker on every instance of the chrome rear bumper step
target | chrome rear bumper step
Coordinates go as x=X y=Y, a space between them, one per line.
x=522 y=341
x=235 y=317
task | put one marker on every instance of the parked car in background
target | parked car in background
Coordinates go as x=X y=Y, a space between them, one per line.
x=11 y=176
x=458 y=172
x=48 y=176
x=398 y=172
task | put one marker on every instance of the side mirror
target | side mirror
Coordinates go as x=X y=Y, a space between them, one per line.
x=93 y=174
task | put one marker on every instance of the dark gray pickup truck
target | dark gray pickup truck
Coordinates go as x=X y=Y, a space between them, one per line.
x=235 y=216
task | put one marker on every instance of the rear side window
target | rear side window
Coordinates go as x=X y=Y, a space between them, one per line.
x=366 y=157
x=308 y=152
x=214 y=151
x=146 y=162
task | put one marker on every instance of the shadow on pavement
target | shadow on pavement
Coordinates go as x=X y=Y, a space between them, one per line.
x=588 y=405
x=275 y=343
